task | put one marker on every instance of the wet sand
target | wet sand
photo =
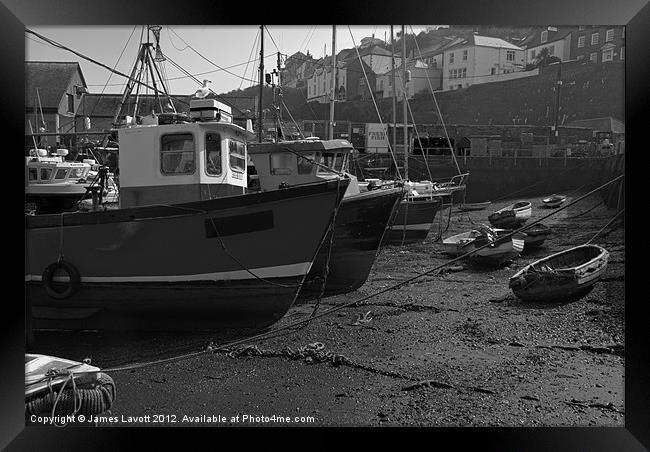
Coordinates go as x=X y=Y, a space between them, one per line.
x=453 y=348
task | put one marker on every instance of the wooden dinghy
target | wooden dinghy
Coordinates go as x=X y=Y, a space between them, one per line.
x=554 y=201
x=565 y=276
x=474 y=206
x=461 y=243
x=511 y=216
x=501 y=248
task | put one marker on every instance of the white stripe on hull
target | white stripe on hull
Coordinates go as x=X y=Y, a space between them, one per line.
x=280 y=271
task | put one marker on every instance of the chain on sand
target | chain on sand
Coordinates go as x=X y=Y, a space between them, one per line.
x=313 y=353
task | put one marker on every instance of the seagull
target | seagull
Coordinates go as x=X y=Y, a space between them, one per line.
x=203 y=91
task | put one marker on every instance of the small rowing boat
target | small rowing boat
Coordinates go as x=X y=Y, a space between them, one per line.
x=554 y=201
x=460 y=243
x=565 y=276
x=511 y=216
x=536 y=235
x=501 y=248
x=474 y=206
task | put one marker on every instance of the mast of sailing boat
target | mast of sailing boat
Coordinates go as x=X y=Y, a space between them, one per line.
x=261 y=95
x=333 y=83
x=406 y=140
x=394 y=94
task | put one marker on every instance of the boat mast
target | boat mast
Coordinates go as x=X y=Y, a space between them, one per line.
x=261 y=94
x=406 y=149
x=333 y=83
x=394 y=94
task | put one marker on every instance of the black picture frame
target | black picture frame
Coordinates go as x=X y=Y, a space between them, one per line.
x=634 y=14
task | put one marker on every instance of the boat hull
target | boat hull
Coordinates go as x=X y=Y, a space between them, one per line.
x=501 y=251
x=412 y=221
x=474 y=206
x=511 y=217
x=234 y=261
x=461 y=243
x=360 y=224
x=566 y=284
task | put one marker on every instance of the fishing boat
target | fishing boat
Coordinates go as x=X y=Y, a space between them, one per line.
x=554 y=201
x=500 y=249
x=511 y=216
x=462 y=243
x=187 y=248
x=474 y=206
x=361 y=220
x=565 y=276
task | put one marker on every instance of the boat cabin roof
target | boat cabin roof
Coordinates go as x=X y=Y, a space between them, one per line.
x=300 y=146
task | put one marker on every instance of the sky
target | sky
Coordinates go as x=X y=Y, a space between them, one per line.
x=225 y=51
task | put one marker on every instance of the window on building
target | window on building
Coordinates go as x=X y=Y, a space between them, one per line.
x=464 y=73
x=532 y=54
x=177 y=154
x=581 y=27
x=609 y=36
x=608 y=55
x=581 y=42
x=544 y=36
x=493 y=71
x=213 y=154
x=237 y=154
x=622 y=53
x=551 y=50
x=593 y=57
x=70 y=103
x=594 y=39
x=451 y=58
x=510 y=55
x=464 y=55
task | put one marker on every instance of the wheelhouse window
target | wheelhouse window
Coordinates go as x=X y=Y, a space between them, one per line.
x=46 y=174
x=305 y=164
x=237 y=153
x=333 y=160
x=177 y=154
x=60 y=173
x=32 y=174
x=281 y=163
x=213 y=154
x=76 y=173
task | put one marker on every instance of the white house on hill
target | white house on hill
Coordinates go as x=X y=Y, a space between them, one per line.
x=481 y=59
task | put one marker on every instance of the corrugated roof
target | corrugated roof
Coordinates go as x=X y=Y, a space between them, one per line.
x=51 y=78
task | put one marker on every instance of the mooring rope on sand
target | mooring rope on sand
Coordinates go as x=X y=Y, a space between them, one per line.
x=288 y=329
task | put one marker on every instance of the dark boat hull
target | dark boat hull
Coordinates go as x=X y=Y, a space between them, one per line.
x=360 y=225
x=412 y=221
x=234 y=261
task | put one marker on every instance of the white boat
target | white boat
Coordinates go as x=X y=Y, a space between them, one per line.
x=462 y=243
x=500 y=249
x=554 y=200
x=512 y=215
x=565 y=276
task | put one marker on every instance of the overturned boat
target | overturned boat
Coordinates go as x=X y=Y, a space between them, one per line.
x=554 y=201
x=474 y=206
x=565 y=276
x=188 y=248
x=511 y=216
x=347 y=254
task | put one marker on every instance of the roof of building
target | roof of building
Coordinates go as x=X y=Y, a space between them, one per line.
x=51 y=78
x=606 y=124
x=484 y=41
x=554 y=34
